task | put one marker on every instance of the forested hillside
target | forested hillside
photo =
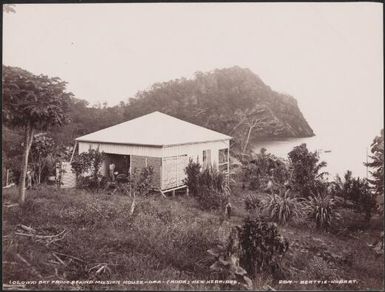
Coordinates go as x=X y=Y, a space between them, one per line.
x=233 y=101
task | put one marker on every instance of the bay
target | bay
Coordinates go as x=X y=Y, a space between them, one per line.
x=342 y=151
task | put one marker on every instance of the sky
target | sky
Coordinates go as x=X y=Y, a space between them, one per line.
x=329 y=56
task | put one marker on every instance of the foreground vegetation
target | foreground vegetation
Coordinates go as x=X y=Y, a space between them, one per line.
x=272 y=223
x=163 y=240
x=166 y=239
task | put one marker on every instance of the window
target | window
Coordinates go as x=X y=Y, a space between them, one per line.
x=223 y=156
x=223 y=160
x=206 y=157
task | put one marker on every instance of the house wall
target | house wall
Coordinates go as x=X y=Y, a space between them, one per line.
x=173 y=174
x=150 y=151
x=175 y=161
x=161 y=159
x=195 y=151
x=140 y=162
x=140 y=151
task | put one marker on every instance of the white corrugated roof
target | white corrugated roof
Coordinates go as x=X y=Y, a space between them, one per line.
x=155 y=129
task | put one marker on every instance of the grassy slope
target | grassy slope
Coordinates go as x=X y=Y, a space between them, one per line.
x=309 y=258
x=164 y=239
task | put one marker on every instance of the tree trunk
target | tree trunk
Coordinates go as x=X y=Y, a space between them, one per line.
x=132 y=205
x=247 y=139
x=40 y=170
x=239 y=124
x=27 y=147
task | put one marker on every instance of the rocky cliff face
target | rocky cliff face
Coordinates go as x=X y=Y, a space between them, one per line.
x=234 y=101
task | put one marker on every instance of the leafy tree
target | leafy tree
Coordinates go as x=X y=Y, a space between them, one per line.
x=262 y=167
x=86 y=119
x=254 y=120
x=356 y=193
x=86 y=166
x=12 y=152
x=307 y=177
x=343 y=187
x=377 y=165
x=32 y=103
x=365 y=202
x=42 y=147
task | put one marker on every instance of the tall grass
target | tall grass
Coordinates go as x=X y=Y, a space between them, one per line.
x=163 y=239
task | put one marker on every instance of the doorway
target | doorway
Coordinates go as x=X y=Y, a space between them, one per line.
x=122 y=163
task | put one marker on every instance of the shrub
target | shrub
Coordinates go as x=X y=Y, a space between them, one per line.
x=192 y=176
x=252 y=203
x=252 y=176
x=262 y=167
x=262 y=246
x=92 y=183
x=211 y=199
x=343 y=187
x=321 y=209
x=139 y=182
x=208 y=186
x=357 y=191
x=87 y=162
x=367 y=203
x=211 y=178
x=86 y=165
x=283 y=208
x=319 y=269
x=227 y=260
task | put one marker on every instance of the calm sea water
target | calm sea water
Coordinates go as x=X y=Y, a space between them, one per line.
x=345 y=150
